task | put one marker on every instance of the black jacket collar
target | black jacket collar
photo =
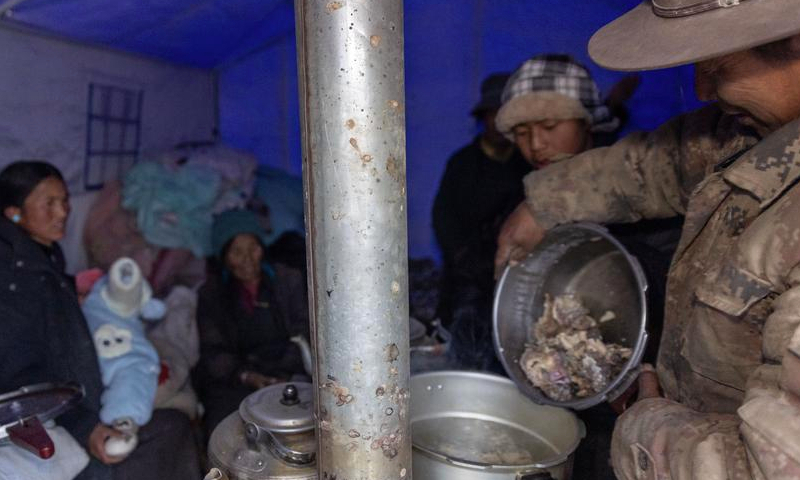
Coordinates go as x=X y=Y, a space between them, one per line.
x=26 y=253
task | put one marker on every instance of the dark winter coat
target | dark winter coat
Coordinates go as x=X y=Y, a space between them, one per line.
x=475 y=195
x=44 y=335
x=234 y=340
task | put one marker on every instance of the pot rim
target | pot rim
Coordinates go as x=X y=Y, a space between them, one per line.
x=629 y=372
x=557 y=460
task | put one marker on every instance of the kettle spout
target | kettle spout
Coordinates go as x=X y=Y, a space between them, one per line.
x=305 y=350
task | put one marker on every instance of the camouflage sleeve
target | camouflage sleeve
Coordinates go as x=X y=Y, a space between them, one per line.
x=661 y=439
x=658 y=438
x=644 y=175
x=770 y=414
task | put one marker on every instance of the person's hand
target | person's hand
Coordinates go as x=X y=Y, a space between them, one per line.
x=257 y=380
x=518 y=235
x=645 y=386
x=648 y=383
x=97 y=443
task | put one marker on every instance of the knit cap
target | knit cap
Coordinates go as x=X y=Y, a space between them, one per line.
x=231 y=223
x=552 y=87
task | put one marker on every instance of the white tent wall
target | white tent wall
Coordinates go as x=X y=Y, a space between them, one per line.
x=44 y=88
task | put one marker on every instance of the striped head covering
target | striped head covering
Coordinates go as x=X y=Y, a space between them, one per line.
x=553 y=87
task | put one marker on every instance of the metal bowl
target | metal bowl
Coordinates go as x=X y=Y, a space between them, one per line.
x=585 y=260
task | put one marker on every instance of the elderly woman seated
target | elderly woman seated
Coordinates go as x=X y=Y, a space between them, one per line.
x=247 y=311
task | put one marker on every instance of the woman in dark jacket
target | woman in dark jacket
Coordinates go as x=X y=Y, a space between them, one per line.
x=246 y=314
x=45 y=337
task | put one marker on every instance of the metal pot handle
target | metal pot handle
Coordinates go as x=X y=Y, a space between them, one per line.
x=440 y=348
x=258 y=436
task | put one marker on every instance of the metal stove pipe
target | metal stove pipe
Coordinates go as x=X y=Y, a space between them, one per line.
x=350 y=62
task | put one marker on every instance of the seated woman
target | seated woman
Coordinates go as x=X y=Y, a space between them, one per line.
x=247 y=311
x=45 y=336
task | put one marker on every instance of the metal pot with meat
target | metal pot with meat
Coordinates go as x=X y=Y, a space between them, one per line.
x=570 y=319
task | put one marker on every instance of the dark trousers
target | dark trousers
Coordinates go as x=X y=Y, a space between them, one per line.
x=166 y=449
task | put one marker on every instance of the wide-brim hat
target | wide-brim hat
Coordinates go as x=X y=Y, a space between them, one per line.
x=491 y=93
x=668 y=33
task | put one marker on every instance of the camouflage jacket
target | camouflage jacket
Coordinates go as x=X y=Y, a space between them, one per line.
x=729 y=359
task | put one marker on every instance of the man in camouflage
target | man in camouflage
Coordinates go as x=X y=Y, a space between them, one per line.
x=729 y=359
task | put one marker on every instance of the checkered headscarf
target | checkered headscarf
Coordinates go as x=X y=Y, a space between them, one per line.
x=549 y=77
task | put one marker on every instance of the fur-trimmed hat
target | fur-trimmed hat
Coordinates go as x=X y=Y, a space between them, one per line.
x=553 y=87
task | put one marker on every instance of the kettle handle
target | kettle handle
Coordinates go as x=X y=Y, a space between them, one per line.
x=258 y=435
x=31 y=435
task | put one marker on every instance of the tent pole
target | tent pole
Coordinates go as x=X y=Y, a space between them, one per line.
x=350 y=63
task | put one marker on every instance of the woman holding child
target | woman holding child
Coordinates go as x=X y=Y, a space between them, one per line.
x=45 y=337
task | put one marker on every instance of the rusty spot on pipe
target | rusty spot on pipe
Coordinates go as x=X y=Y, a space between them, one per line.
x=365 y=157
x=392 y=352
x=380 y=391
x=375 y=40
x=388 y=444
x=333 y=6
x=351 y=124
x=353 y=433
x=341 y=393
x=393 y=167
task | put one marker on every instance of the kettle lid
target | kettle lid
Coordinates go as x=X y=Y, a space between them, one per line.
x=281 y=408
x=45 y=401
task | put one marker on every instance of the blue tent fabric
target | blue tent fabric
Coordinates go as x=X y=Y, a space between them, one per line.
x=283 y=194
x=203 y=33
x=251 y=46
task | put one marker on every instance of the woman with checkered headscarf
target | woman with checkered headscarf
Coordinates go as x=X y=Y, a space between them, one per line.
x=552 y=108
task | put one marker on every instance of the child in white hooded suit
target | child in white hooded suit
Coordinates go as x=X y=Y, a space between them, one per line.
x=129 y=364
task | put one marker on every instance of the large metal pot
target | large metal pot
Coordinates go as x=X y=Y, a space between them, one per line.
x=476 y=426
x=582 y=259
x=270 y=437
